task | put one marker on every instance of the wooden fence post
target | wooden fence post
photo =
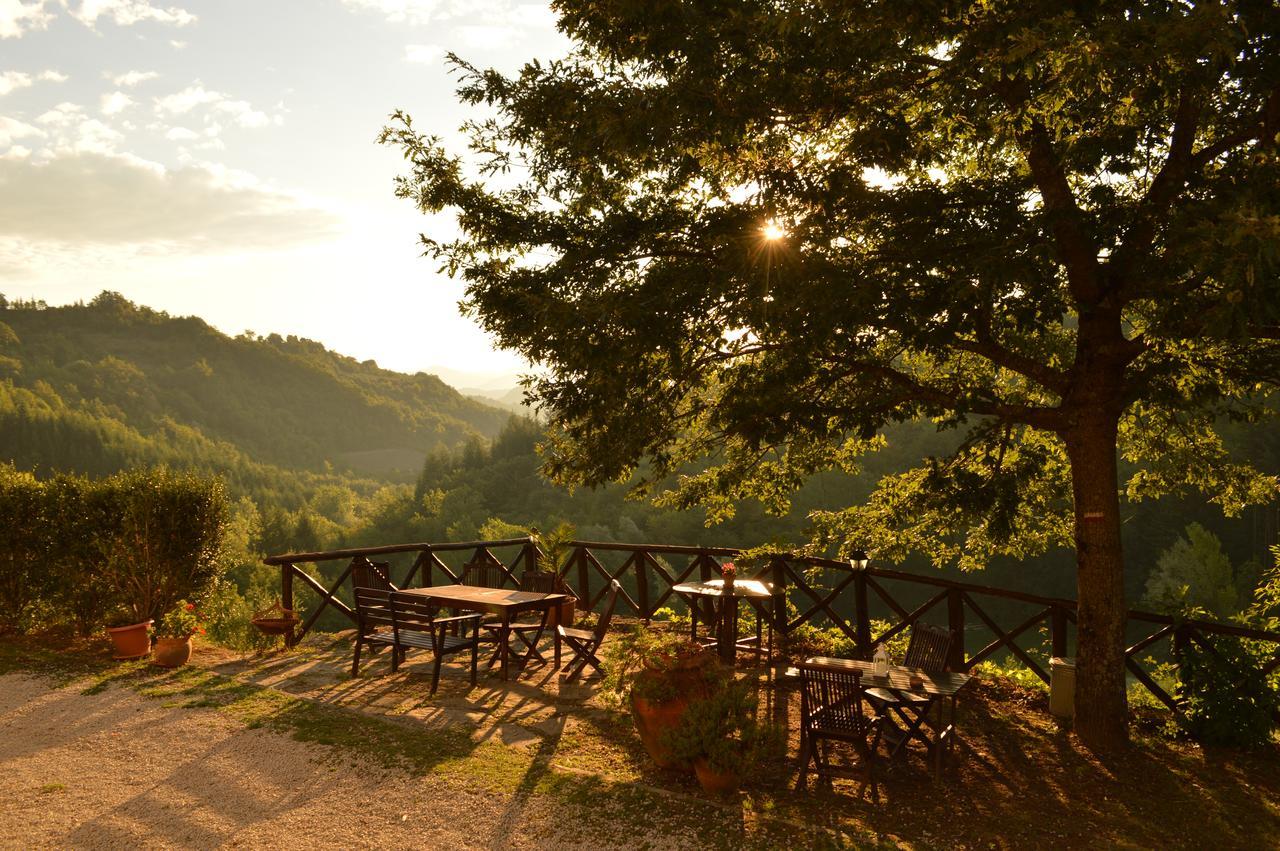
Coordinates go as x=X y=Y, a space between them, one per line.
x=642 y=585
x=861 y=613
x=955 y=623
x=584 y=578
x=1058 y=631
x=286 y=598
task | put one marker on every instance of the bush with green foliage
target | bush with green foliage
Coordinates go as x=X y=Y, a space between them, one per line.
x=723 y=729
x=129 y=545
x=1226 y=697
x=25 y=571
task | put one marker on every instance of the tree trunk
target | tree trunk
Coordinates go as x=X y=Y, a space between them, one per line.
x=1101 y=719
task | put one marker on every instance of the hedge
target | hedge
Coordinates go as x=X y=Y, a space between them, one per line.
x=124 y=548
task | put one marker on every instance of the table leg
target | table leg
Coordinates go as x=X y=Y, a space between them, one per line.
x=728 y=638
x=504 y=644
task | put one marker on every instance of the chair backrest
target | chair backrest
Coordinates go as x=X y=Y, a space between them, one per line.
x=481 y=575
x=930 y=647
x=606 y=615
x=373 y=609
x=412 y=613
x=371 y=574
x=831 y=701
x=542 y=582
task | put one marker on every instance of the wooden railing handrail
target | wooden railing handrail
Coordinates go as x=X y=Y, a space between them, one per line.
x=655 y=582
x=389 y=549
x=936 y=581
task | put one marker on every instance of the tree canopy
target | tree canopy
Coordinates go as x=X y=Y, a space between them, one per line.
x=762 y=231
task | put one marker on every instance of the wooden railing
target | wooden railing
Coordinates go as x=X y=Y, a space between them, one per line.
x=818 y=591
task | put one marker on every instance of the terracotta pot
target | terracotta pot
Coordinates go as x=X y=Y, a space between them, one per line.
x=655 y=719
x=563 y=614
x=172 y=652
x=131 y=642
x=716 y=782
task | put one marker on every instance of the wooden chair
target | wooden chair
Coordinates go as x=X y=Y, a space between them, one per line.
x=831 y=712
x=929 y=650
x=414 y=624
x=371 y=574
x=585 y=644
x=484 y=575
x=375 y=624
x=540 y=582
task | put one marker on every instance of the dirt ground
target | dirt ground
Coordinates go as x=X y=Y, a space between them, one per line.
x=287 y=748
x=116 y=770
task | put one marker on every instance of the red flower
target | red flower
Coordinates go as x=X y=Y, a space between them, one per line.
x=191 y=607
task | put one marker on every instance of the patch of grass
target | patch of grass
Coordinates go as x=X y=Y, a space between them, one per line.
x=50 y=788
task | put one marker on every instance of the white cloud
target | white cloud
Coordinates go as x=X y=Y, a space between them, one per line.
x=11 y=128
x=239 y=111
x=181 y=134
x=131 y=78
x=18 y=16
x=85 y=198
x=62 y=115
x=510 y=27
x=188 y=99
x=115 y=103
x=402 y=11
x=127 y=12
x=422 y=53
x=13 y=80
x=176 y=44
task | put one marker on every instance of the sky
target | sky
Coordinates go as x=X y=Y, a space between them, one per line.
x=217 y=158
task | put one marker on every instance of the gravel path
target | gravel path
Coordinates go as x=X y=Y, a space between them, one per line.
x=116 y=770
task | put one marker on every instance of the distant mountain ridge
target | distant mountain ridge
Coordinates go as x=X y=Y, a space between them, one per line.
x=94 y=386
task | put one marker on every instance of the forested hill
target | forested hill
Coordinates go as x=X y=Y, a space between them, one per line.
x=111 y=384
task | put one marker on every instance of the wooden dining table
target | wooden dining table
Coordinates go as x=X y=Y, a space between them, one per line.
x=941 y=688
x=506 y=603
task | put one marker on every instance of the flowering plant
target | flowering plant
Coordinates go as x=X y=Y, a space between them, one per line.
x=182 y=621
x=729 y=570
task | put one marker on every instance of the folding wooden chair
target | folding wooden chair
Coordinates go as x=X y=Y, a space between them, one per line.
x=831 y=712
x=585 y=644
x=929 y=650
x=542 y=582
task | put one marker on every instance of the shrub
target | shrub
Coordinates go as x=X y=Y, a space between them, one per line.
x=1226 y=698
x=166 y=541
x=723 y=730
x=76 y=549
x=24 y=543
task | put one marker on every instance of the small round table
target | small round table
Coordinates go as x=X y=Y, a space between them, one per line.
x=715 y=595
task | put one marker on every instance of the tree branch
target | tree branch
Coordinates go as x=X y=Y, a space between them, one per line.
x=1078 y=253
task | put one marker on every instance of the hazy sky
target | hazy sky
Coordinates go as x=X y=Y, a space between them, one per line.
x=217 y=158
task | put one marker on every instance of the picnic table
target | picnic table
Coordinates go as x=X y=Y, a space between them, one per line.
x=503 y=602
x=940 y=690
x=713 y=594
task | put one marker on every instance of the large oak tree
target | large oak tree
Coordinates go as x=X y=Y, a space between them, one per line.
x=759 y=231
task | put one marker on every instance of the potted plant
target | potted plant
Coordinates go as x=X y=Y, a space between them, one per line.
x=721 y=737
x=173 y=635
x=130 y=637
x=659 y=675
x=551 y=546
